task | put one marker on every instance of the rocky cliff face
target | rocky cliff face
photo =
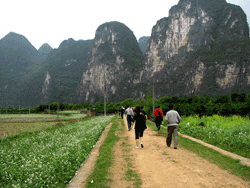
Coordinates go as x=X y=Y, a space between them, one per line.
x=112 y=70
x=197 y=49
x=63 y=69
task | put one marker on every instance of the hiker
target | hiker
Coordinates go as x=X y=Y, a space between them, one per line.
x=146 y=117
x=159 y=117
x=173 y=118
x=129 y=112
x=140 y=126
x=122 y=112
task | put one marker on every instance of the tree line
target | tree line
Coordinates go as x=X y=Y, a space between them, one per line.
x=225 y=105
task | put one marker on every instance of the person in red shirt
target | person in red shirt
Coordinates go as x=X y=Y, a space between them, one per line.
x=159 y=117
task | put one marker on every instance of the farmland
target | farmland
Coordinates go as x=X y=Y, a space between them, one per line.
x=229 y=133
x=48 y=158
x=13 y=124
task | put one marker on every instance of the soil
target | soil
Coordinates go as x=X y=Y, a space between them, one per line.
x=160 y=166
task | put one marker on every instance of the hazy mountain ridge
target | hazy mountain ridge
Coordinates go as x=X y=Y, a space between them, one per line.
x=143 y=41
x=44 y=50
x=203 y=47
x=18 y=59
x=63 y=69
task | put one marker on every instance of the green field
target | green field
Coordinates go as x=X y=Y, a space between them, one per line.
x=229 y=133
x=48 y=158
x=13 y=124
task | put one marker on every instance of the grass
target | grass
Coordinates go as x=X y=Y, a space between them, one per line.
x=48 y=158
x=39 y=117
x=229 y=133
x=8 y=128
x=70 y=112
x=101 y=177
x=131 y=174
x=231 y=165
x=14 y=124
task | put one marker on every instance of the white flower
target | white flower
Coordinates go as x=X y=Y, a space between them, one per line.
x=92 y=181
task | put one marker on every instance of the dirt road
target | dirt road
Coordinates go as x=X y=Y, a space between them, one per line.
x=160 y=166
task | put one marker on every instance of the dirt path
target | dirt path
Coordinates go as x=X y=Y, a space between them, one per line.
x=160 y=166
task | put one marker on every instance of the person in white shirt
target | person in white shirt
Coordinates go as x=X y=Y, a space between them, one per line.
x=173 y=118
x=129 y=112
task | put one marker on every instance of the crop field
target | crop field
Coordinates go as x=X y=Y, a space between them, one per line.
x=14 y=128
x=39 y=117
x=12 y=124
x=48 y=158
x=229 y=133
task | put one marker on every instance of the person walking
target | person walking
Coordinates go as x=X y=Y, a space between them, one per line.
x=140 y=126
x=173 y=118
x=146 y=117
x=159 y=117
x=129 y=112
x=122 y=112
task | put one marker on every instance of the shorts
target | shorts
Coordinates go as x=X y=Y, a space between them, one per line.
x=139 y=134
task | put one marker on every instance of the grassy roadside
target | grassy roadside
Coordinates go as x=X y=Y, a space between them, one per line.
x=101 y=176
x=231 y=165
x=131 y=174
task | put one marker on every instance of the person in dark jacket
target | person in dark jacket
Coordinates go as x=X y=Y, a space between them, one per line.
x=144 y=113
x=159 y=117
x=140 y=126
x=122 y=111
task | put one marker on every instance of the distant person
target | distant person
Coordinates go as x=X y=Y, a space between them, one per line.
x=140 y=126
x=129 y=112
x=173 y=118
x=144 y=113
x=122 y=111
x=159 y=117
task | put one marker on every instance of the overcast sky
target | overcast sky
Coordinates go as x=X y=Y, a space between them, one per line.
x=52 y=21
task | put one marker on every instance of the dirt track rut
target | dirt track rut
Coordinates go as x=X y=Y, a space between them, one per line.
x=160 y=166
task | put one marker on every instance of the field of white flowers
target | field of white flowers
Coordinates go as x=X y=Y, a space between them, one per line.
x=49 y=158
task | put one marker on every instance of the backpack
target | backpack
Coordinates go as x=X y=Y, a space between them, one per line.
x=160 y=115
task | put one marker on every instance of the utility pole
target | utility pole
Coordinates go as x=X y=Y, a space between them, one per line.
x=155 y=69
x=104 y=91
x=153 y=94
x=58 y=110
